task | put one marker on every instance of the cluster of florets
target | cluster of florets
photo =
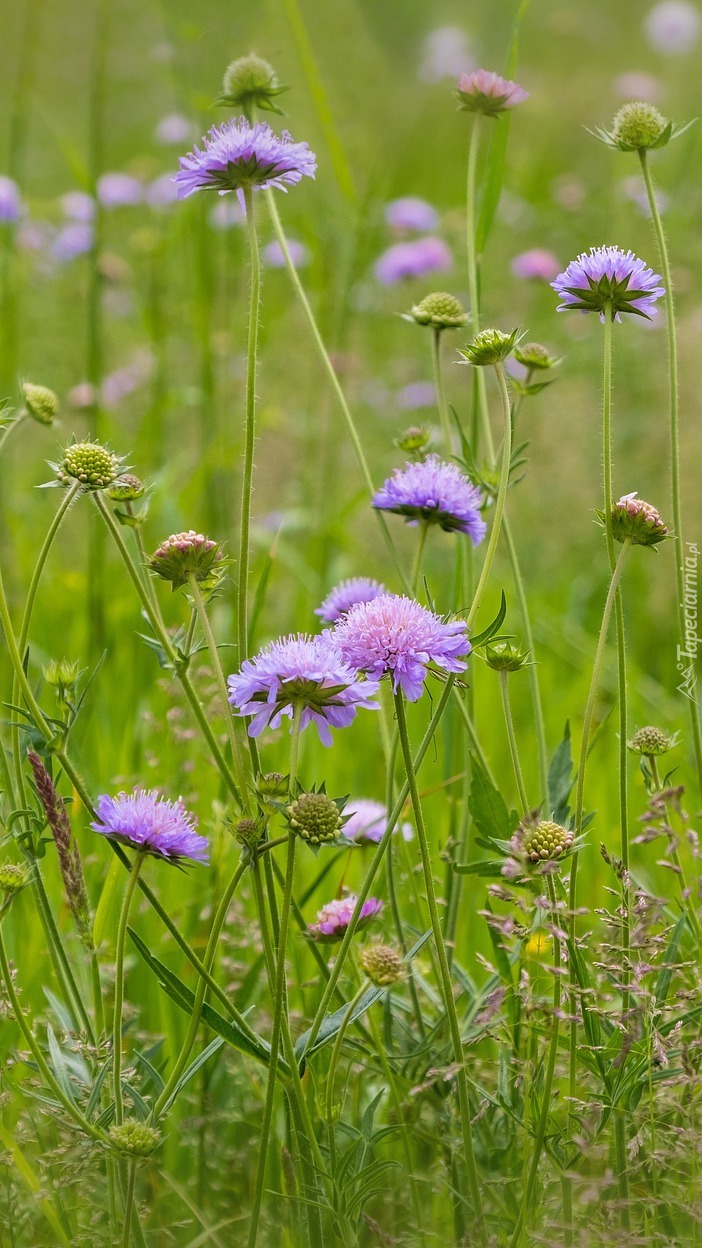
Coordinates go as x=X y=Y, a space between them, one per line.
x=439 y=310
x=436 y=492
x=541 y=842
x=486 y=92
x=414 y=441
x=248 y=832
x=639 y=127
x=383 y=965
x=150 y=824
x=637 y=521
x=238 y=156
x=126 y=488
x=490 y=346
x=250 y=82
x=13 y=877
x=316 y=818
x=135 y=1138
x=90 y=463
x=40 y=402
x=183 y=555
x=651 y=742
x=346 y=594
x=333 y=919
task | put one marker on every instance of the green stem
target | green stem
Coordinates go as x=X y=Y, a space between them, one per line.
x=501 y=495
x=444 y=972
x=336 y=386
x=473 y=147
x=250 y=432
x=440 y=391
x=532 y=670
x=331 y=1073
x=119 y=987
x=514 y=753
x=688 y=899
x=419 y=551
x=129 y=1203
x=674 y=445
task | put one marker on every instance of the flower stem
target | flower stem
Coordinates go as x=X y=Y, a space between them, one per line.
x=129 y=1203
x=501 y=495
x=119 y=987
x=331 y=1073
x=440 y=392
x=674 y=444
x=444 y=972
x=417 y=565
x=514 y=753
x=250 y=432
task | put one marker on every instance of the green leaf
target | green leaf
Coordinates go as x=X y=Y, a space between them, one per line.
x=670 y=959
x=488 y=810
x=491 y=629
x=213 y=1047
x=560 y=779
x=59 y=1066
x=107 y=896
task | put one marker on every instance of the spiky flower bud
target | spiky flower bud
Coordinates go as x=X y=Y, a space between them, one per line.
x=248 y=832
x=90 y=463
x=638 y=521
x=650 y=741
x=40 y=402
x=316 y=817
x=414 y=441
x=534 y=356
x=183 y=555
x=505 y=656
x=135 y=1138
x=639 y=125
x=490 y=346
x=13 y=877
x=126 y=488
x=383 y=965
x=250 y=82
x=542 y=841
x=440 y=310
x=62 y=674
x=273 y=785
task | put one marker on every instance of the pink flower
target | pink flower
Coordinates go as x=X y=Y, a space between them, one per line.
x=536 y=263
x=485 y=92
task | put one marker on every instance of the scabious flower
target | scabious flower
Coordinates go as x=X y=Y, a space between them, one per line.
x=119 y=190
x=40 y=402
x=302 y=674
x=187 y=554
x=673 y=26
x=147 y=822
x=273 y=256
x=541 y=841
x=445 y=54
x=537 y=263
x=78 y=206
x=73 y=240
x=485 y=92
x=346 y=594
x=490 y=346
x=88 y=462
x=416 y=395
x=414 y=259
x=651 y=742
x=10 y=202
x=398 y=637
x=410 y=213
x=638 y=521
x=334 y=918
x=250 y=82
x=239 y=156
x=608 y=278
x=383 y=965
x=434 y=491
x=161 y=192
x=173 y=129
x=367 y=822
x=439 y=310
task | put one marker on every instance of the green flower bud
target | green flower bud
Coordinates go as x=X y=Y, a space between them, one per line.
x=383 y=965
x=183 y=555
x=638 y=126
x=414 y=441
x=440 y=310
x=534 y=356
x=273 y=785
x=542 y=841
x=62 y=674
x=316 y=817
x=248 y=832
x=135 y=1138
x=250 y=82
x=651 y=741
x=490 y=346
x=90 y=463
x=40 y=402
x=636 y=520
x=504 y=656
x=13 y=877
x=126 y=488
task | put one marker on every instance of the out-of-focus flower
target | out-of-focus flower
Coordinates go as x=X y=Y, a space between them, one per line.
x=606 y=278
x=237 y=155
x=383 y=965
x=537 y=263
x=395 y=636
x=346 y=594
x=445 y=54
x=410 y=213
x=436 y=492
x=334 y=918
x=637 y=85
x=162 y=192
x=673 y=26
x=635 y=191
x=413 y=259
x=367 y=821
x=125 y=381
x=273 y=256
x=225 y=214
x=72 y=240
x=485 y=92
x=303 y=675
x=10 y=202
x=533 y=355
x=78 y=206
x=32 y=235
x=151 y=824
x=416 y=395
x=119 y=190
x=173 y=130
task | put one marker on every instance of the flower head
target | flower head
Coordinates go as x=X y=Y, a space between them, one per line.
x=304 y=674
x=183 y=555
x=346 y=594
x=398 y=637
x=533 y=355
x=150 y=823
x=414 y=259
x=40 y=402
x=367 y=822
x=440 y=311
x=126 y=488
x=334 y=918
x=490 y=346
x=638 y=125
x=485 y=92
x=414 y=441
x=250 y=82
x=411 y=213
x=638 y=521
x=88 y=462
x=10 y=202
x=541 y=841
x=316 y=818
x=119 y=190
x=13 y=877
x=673 y=26
x=134 y=1138
x=651 y=742
x=608 y=278
x=383 y=965
x=505 y=656
x=239 y=156
x=434 y=491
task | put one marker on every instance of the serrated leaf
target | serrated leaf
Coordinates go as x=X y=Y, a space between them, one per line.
x=487 y=807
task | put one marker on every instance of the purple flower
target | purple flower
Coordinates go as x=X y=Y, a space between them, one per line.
x=10 y=203
x=149 y=823
x=368 y=820
x=396 y=636
x=606 y=277
x=334 y=918
x=173 y=129
x=673 y=26
x=485 y=92
x=238 y=155
x=415 y=259
x=75 y=239
x=411 y=213
x=346 y=594
x=416 y=395
x=161 y=192
x=303 y=674
x=437 y=492
x=536 y=263
x=445 y=54
x=119 y=190
x=273 y=256
x=78 y=206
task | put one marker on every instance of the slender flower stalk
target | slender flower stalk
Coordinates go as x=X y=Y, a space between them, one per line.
x=673 y=401
x=250 y=431
x=440 y=390
x=119 y=987
x=511 y=737
x=501 y=494
x=129 y=1203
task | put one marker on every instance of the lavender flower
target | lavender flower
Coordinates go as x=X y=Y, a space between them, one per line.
x=537 y=263
x=119 y=190
x=606 y=277
x=367 y=822
x=673 y=26
x=485 y=92
x=398 y=637
x=303 y=674
x=78 y=206
x=273 y=256
x=416 y=395
x=173 y=129
x=151 y=824
x=437 y=492
x=415 y=259
x=334 y=918
x=73 y=240
x=237 y=155
x=411 y=213
x=10 y=202
x=346 y=594
x=161 y=192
